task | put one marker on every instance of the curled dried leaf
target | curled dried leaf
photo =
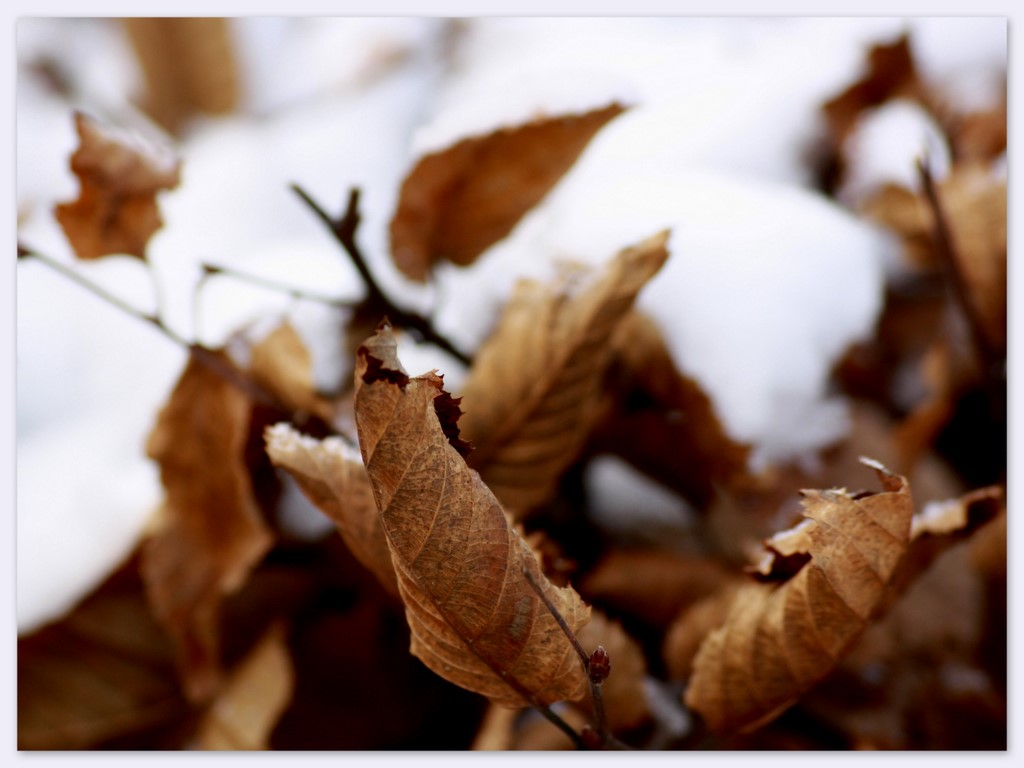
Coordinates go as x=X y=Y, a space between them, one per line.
x=475 y=618
x=212 y=533
x=457 y=202
x=331 y=474
x=532 y=394
x=779 y=640
x=120 y=176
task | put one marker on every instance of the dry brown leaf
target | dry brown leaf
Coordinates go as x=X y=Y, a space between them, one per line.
x=890 y=74
x=475 y=618
x=622 y=581
x=779 y=640
x=119 y=176
x=908 y=215
x=662 y=422
x=331 y=474
x=980 y=135
x=533 y=391
x=104 y=671
x=685 y=635
x=974 y=202
x=212 y=533
x=457 y=202
x=923 y=654
x=281 y=363
x=246 y=711
x=188 y=64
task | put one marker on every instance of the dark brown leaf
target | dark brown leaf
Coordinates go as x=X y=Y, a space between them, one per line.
x=212 y=533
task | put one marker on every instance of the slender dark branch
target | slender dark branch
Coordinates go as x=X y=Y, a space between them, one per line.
x=210 y=270
x=993 y=361
x=953 y=267
x=344 y=231
x=595 y=677
x=203 y=354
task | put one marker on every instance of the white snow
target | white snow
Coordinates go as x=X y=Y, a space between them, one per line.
x=765 y=287
x=884 y=148
x=963 y=58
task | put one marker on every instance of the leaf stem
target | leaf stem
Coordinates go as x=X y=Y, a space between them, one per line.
x=594 y=680
x=344 y=231
x=211 y=270
x=203 y=354
x=993 y=363
x=952 y=264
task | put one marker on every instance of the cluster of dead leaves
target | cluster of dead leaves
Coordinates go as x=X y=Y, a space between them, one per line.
x=465 y=534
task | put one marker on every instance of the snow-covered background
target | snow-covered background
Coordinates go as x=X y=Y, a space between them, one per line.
x=768 y=282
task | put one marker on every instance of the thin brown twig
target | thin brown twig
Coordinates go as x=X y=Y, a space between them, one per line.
x=203 y=354
x=993 y=363
x=595 y=683
x=212 y=270
x=344 y=231
x=952 y=264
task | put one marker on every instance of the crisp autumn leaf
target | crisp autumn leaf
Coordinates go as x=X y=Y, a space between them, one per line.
x=247 y=709
x=119 y=176
x=282 y=364
x=189 y=66
x=781 y=639
x=661 y=421
x=104 y=671
x=212 y=533
x=533 y=391
x=331 y=474
x=621 y=581
x=475 y=618
x=457 y=202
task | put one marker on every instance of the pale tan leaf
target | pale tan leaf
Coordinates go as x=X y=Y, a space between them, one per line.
x=496 y=730
x=120 y=176
x=457 y=202
x=533 y=391
x=246 y=711
x=475 y=618
x=331 y=474
x=189 y=66
x=779 y=640
x=282 y=364
x=212 y=534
